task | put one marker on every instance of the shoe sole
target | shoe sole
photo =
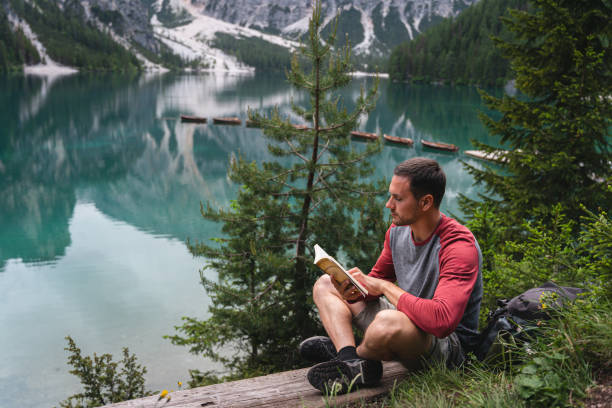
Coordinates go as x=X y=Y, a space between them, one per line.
x=335 y=377
x=309 y=348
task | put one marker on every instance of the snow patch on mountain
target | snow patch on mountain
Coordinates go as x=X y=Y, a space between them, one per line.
x=368 y=32
x=193 y=41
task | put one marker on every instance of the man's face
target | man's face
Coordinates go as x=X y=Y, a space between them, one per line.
x=402 y=203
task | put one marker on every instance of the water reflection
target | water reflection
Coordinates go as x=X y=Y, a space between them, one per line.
x=115 y=140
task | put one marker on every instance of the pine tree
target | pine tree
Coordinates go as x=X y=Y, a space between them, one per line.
x=557 y=130
x=313 y=193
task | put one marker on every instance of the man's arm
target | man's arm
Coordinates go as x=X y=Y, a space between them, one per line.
x=458 y=273
x=441 y=314
x=378 y=286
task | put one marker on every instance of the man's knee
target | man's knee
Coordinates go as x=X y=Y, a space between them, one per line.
x=386 y=325
x=392 y=330
x=323 y=286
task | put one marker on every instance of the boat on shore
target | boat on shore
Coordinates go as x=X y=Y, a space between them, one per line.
x=406 y=141
x=492 y=156
x=252 y=124
x=440 y=146
x=192 y=119
x=227 y=121
x=300 y=127
x=364 y=135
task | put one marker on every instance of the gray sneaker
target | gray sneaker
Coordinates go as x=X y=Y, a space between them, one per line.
x=318 y=349
x=338 y=377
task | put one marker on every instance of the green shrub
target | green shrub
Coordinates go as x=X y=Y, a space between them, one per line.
x=104 y=381
x=543 y=253
x=572 y=346
x=554 y=370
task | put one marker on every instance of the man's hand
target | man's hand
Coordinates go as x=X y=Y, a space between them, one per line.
x=347 y=290
x=373 y=285
x=377 y=287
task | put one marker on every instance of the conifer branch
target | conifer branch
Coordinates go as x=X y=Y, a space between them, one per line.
x=329 y=188
x=334 y=127
x=293 y=149
x=323 y=149
x=286 y=173
x=265 y=291
x=295 y=192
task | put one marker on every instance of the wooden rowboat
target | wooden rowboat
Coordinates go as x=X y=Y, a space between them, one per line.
x=364 y=135
x=493 y=156
x=252 y=124
x=440 y=146
x=192 y=119
x=300 y=127
x=403 y=140
x=227 y=121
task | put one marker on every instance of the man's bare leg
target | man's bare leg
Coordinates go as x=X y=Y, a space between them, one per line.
x=340 y=374
x=335 y=313
x=393 y=336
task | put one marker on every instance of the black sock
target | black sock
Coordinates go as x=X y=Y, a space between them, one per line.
x=347 y=353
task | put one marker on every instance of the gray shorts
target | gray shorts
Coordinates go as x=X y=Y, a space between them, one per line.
x=446 y=351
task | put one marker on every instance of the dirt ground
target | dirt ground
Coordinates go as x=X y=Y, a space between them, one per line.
x=600 y=395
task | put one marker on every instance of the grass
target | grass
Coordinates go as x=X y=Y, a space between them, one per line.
x=572 y=350
x=474 y=385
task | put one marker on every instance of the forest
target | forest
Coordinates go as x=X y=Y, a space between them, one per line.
x=458 y=50
x=66 y=39
x=254 y=52
x=15 y=48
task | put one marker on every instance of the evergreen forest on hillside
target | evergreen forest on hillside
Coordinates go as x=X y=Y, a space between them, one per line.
x=68 y=40
x=457 y=50
x=15 y=48
x=254 y=52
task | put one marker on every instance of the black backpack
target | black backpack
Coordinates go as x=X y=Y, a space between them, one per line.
x=516 y=320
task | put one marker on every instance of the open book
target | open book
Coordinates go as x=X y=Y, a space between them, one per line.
x=332 y=267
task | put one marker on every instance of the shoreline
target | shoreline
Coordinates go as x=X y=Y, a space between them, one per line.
x=369 y=74
x=60 y=70
x=48 y=70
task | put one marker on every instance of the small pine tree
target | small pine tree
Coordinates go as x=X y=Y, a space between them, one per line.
x=104 y=382
x=262 y=301
x=558 y=129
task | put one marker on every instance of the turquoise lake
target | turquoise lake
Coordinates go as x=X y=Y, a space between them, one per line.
x=101 y=184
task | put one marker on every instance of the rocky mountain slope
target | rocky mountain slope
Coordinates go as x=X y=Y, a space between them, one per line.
x=183 y=33
x=376 y=26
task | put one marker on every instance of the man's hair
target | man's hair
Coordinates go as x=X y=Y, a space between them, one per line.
x=426 y=177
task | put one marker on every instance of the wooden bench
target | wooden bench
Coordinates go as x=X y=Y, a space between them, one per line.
x=286 y=389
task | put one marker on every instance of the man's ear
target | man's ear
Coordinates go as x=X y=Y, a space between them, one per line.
x=426 y=202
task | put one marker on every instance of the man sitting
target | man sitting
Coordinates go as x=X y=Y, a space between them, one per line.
x=429 y=274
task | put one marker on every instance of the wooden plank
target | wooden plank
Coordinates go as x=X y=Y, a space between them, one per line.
x=286 y=389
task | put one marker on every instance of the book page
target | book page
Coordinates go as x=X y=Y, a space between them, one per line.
x=332 y=267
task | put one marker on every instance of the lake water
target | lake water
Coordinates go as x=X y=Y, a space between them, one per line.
x=100 y=186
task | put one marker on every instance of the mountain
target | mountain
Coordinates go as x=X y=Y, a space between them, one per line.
x=373 y=26
x=206 y=34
